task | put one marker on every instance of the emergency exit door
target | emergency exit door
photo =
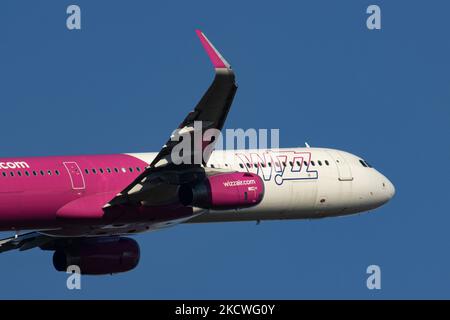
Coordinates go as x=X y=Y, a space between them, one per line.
x=344 y=170
x=76 y=176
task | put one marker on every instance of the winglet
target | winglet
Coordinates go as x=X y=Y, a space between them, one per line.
x=218 y=61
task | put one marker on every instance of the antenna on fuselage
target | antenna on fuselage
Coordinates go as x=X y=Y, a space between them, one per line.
x=307 y=145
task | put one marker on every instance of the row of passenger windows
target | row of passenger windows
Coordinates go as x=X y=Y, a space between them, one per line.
x=298 y=163
x=138 y=169
x=109 y=170
x=31 y=173
x=278 y=164
x=57 y=172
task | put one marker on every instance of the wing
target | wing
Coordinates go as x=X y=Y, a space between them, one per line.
x=210 y=113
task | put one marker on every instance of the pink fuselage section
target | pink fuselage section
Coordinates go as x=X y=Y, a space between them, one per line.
x=59 y=192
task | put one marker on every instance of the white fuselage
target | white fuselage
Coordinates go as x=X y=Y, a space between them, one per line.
x=301 y=183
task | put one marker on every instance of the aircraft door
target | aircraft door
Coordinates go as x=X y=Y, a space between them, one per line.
x=344 y=170
x=76 y=176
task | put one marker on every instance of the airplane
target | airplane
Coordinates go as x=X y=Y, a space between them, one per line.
x=83 y=207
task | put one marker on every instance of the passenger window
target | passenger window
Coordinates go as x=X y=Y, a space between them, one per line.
x=327 y=163
x=284 y=164
x=263 y=165
x=256 y=165
x=131 y=169
x=212 y=166
x=108 y=170
x=57 y=172
x=319 y=162
x=94 y=171
x=42 y=172
x=116 y=170
x=312 y=163
x=34 y=173
x=4 y=174
x=138 y=169
x=87 y=171
x=241 y=165
x=248 y=165
x=291 y=163
x=49 y=172
x=101 y=170
x=19 y=173
x=12 y=173
x=305 y=163
x=124 y=170
x=299 y=164
x=27 y=173
x=270 y=164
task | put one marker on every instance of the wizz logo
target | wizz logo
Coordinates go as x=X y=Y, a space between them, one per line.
x=280 y=166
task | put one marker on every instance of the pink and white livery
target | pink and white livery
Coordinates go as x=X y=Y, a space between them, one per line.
x=82 y=206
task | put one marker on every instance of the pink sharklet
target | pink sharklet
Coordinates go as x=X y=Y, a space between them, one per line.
x=217 y=60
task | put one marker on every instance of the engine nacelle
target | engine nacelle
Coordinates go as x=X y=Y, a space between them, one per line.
x=224 y=191
x=100 y=256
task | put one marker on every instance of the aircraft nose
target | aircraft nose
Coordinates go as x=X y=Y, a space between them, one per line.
x=391 y=189
x=388 y=188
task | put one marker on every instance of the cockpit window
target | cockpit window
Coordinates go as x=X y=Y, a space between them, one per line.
x=365 y=164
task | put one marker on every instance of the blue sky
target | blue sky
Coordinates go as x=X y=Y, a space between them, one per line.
x=310 y=68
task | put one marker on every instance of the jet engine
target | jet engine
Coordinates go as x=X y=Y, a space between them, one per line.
x=99 y=256
x=224 y=191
